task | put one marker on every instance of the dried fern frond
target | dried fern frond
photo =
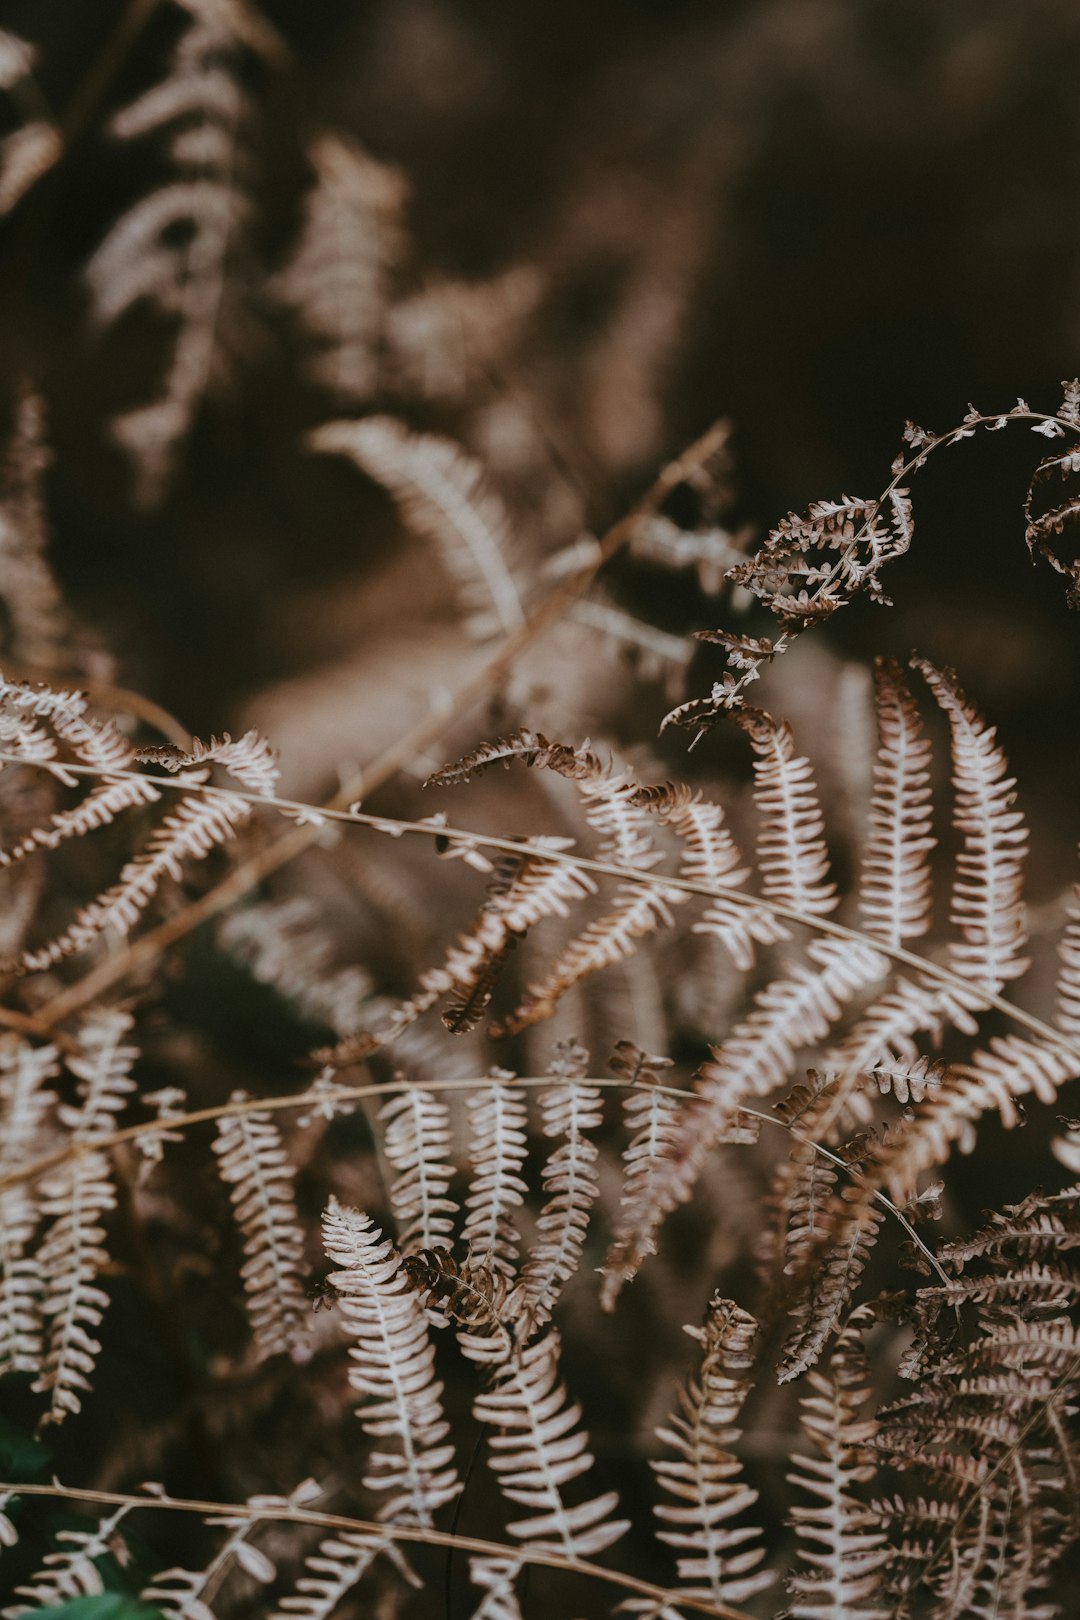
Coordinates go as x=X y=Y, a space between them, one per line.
x=717 y=1561
x=392 y=1369
x=37 y=622
x=444 y=341
x=190 y=833
x=498 y=1149
x=895 y=891
x=831 y=1256
x=483 y=1305
x=984 y=1436
x=250 y=759
x=792 y=856
x=27 y=1100
x=71 y=1571
x=75 y=1198
x=178 y=248
x=338 y=279
x=282 y=945
x=842 y=1548
x=253 y=1162
x=416 y=1140
x=537 y=1449
x=987 y=899
x=653 y=1118
x=35 y=145
x=186 y=1594
x=442 y=495
x=571 y=1110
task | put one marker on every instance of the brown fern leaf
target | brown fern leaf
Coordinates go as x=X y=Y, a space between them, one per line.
x=531 y=747
x=830 y=1251
x=1045 y=531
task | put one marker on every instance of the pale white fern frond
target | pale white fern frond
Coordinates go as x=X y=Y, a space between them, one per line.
x=75 y=1198
x=446 y=339
x=843 y=1553
x=253 y=1161
x=792 y=857
x=709 y=856
x=442 y=495
x=497 y=1579
x=178 y=247
x=416 y=1140
x=987 y=895
x=331 y=1573
x=102 y=805
x=188 y=1594
x=540 y=888
x=653 y=1119
x=338 y=279
x=70 y=1572
x=281 y=944
x=24 y=1071
x=26 y=1101
x=199 y=825
x=538 y=1449
x=758 y=1056
x=98 y=744
x=498 y=1149
x=717 y=1563
x=570 y=1110
x=895 y=892
x=393 y=1369
x=38 y=623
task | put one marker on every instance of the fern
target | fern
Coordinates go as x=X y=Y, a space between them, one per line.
x=177 y=249
x=72 y=1250
x=715 y=1563
x=253 y=1161
x=439 y=489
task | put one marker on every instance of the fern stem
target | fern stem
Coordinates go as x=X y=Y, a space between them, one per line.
x=306 y=814
x=303 y=1099
x=659 y=1595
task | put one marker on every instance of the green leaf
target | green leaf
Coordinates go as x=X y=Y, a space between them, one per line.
x=21 y=1456
x=102 y=1606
